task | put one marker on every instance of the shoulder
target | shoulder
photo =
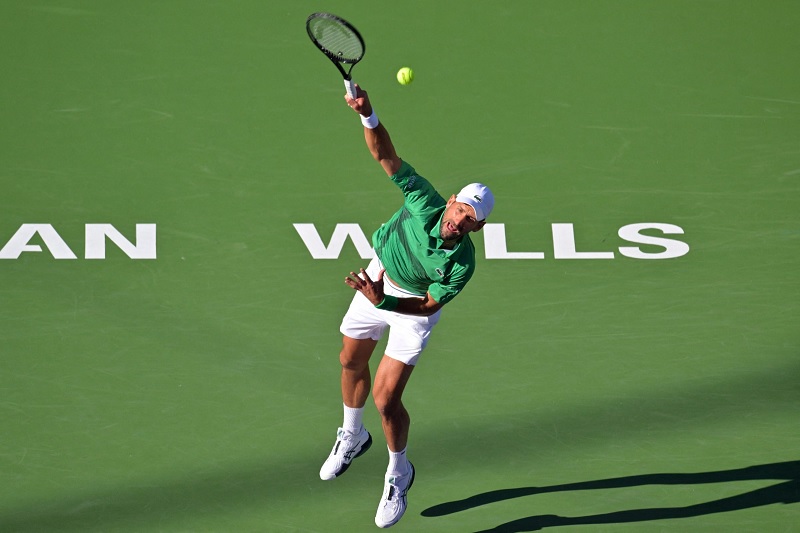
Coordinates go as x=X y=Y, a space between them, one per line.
x=418 y=191
x=406 y=177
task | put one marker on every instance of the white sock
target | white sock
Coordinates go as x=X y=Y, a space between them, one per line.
x=352 y=419
x=398 y=463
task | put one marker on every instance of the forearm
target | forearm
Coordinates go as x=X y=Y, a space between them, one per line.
x=379 y=143
x=425 y=306
x=378 y=140
x=380 y=146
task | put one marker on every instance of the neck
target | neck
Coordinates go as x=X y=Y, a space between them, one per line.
x=449 y=245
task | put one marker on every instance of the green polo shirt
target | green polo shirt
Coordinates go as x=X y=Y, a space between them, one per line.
x=410 y=246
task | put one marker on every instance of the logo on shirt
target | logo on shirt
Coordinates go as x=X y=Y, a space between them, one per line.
x=411 y=181
x=440 y=272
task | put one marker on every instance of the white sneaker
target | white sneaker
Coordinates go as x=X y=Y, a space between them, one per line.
x=393 y=501
x=348 y=446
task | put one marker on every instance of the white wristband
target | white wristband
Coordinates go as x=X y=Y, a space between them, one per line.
x=371 y=121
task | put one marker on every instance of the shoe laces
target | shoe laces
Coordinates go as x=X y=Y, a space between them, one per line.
x=392 y=491
x=345 y=439
x=345 y=435
x=390 y=500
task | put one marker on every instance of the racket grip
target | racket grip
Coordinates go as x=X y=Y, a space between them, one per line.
x=350 y=85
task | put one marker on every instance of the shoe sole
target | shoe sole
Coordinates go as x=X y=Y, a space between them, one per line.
x=361 y=452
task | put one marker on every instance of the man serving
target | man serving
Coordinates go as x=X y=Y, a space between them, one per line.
x=424 y=258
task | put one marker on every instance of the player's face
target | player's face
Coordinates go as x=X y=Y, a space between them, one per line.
x=458 y=220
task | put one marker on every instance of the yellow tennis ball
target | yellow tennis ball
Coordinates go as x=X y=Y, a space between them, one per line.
x=405 y=76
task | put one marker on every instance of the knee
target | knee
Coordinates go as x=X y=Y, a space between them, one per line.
x=350 y=362
x=387 y=403
x=356 y=353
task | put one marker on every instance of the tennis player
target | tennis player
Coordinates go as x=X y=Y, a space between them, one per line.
x=425 y=257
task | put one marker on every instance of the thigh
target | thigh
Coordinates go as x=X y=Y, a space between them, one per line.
x=363 y=320
x=408 y=336
x=356 y=352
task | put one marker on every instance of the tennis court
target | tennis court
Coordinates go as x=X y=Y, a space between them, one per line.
x=169 y=342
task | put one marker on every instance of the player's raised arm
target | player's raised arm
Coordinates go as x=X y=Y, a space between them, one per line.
x=378 y=140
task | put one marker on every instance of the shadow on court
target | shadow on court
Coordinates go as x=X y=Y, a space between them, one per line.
x=785 y=492
x=214 y=489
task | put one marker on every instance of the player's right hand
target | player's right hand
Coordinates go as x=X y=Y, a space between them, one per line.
x=361 y=103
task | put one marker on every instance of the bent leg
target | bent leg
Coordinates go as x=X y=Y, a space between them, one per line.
x=356 y=378
x=390 y=382
x=352 y=439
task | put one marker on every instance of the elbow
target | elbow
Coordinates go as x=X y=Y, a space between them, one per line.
x=428 y=306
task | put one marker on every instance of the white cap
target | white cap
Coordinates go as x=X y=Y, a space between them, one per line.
x=479 y=197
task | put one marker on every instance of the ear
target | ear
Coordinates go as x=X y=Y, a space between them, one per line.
x=479 y=225
x=451 y=200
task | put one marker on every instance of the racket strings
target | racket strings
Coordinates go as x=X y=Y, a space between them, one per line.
x=337 y=39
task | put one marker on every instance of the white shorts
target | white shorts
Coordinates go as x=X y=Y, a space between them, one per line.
x=408 y=334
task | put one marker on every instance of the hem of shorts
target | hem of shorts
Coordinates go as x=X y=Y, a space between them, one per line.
x=396 y=358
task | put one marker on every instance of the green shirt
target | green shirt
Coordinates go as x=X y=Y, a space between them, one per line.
x=410 y=245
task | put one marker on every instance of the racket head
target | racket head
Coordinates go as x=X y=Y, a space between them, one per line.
x=335 y=37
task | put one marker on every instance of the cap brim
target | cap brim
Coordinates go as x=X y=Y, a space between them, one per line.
x=475 y=208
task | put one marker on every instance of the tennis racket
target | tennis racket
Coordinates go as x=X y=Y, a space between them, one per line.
x=338 y=40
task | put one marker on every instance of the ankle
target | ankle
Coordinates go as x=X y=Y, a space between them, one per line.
x=353 y=419
x=398 y=463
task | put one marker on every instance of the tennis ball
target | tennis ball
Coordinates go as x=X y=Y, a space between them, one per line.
x=405 y=76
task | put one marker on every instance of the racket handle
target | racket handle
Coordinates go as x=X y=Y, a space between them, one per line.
x=350 y=85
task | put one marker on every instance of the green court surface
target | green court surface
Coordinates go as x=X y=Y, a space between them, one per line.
x=199 y=390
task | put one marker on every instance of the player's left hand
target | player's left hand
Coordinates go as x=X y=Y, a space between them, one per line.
x=361 y=282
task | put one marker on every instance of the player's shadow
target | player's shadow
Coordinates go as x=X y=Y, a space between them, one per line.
x=785 y=492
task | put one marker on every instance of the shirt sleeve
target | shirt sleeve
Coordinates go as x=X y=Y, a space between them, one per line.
x=444 y=291
x=417 y=190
